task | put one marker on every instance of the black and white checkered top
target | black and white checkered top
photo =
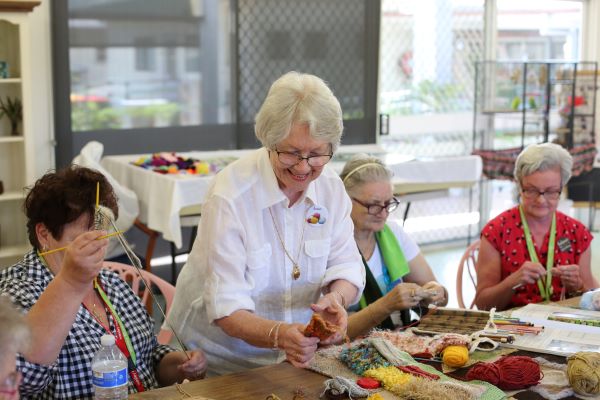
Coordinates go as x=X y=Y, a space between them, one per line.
x=70 y=377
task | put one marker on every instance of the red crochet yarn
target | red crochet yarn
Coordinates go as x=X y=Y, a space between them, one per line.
x=508 y=373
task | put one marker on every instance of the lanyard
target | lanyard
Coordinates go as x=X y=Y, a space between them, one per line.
x=121 y=338
x=545 y=290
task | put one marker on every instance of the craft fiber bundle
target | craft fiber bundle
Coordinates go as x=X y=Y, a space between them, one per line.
x=508 y=373
x=583 y=371
x=455 y=356
x=362 y=357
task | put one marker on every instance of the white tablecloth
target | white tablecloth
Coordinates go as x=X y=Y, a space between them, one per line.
x=162 y=197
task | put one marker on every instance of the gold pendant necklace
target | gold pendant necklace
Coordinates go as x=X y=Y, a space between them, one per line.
x=295 y=266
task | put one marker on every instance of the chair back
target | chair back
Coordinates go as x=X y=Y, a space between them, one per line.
x=132 y=277
x=467 y=264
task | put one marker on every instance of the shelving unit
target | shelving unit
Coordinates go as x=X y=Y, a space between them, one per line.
x=16 y=160
x=519 y=103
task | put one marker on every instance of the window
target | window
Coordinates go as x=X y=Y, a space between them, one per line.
x=191 y=74
x=135 y=82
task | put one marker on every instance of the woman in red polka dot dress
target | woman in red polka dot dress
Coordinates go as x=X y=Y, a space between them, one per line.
x=533 y=252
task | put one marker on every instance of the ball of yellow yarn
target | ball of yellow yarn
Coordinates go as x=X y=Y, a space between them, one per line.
x=455 y=356
x=583 y=370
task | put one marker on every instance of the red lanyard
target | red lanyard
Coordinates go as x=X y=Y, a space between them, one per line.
x=120 y=338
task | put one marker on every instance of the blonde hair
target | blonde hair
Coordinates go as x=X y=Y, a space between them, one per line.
x=299 y=98
x=362 y=168
x=14 y=334
x=542 y=157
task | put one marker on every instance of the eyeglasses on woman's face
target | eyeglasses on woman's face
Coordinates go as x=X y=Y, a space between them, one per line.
x=531 y=193
x=10 y=386
x=290 y=159
x=375 y=209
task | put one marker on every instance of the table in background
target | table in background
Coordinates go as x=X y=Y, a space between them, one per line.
x=162 y=197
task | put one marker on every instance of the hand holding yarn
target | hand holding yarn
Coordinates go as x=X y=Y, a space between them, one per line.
x=83 y=258
x=193 y=368
x=434 y=293
x=529 y=273
x=299 y=349
x=403 y=296
x=332 y=311
x=569 y=276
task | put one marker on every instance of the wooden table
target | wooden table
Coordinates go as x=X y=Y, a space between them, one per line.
x=283 y=380
x=280 y=379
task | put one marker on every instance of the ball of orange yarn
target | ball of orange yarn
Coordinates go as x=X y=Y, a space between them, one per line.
x=508 y=373
x=455 y=356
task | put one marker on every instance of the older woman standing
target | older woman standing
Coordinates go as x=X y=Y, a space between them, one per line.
x=71 y=302
x=398 y=276
x=275 y=237
x=533 y=252
x=14 y=337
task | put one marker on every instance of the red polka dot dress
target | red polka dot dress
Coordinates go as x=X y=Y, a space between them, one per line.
x=506 y=235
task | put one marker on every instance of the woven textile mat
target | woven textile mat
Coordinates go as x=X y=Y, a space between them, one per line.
x=326 y=362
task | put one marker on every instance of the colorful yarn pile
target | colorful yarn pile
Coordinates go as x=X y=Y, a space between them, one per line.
x=583 y=371
x=388 y=376
x=455 y=356
x=508 y=373
x=362 y=357
x=420 y=389
x=171 y=163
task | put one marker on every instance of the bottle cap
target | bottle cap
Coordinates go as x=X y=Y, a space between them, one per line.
x=107 y=340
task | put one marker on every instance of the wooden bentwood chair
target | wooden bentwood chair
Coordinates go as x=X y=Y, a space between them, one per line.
x=130 y=275
x=468 y=263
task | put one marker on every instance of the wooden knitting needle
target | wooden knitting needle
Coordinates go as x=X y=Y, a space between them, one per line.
x=63 y=248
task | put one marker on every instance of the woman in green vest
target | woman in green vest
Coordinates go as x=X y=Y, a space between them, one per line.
x=398 y=276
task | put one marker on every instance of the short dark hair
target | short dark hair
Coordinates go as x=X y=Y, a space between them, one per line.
x=60 y=197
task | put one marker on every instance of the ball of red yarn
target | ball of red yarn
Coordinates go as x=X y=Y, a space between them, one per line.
x=482 y=371
x=508 y=373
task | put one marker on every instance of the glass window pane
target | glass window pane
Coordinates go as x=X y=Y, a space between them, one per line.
x=544 y=29
x=426 y=73
x=151 y=63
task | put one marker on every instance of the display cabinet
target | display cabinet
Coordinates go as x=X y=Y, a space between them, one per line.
x=519 y=103
x=16 y=141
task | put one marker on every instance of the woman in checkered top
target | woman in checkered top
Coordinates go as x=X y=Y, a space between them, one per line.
x=71 y=301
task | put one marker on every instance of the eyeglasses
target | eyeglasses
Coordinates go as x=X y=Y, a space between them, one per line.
x=291 y=159
x=532 y=194
x=375 y=209
x=10 y=386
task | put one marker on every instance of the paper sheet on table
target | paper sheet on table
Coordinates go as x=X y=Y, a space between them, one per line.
x=560 y=338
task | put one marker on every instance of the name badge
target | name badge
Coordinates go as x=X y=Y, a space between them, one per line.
x=316 y=215
x=564 y=244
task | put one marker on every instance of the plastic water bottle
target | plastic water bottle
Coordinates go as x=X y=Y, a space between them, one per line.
x=110 y=371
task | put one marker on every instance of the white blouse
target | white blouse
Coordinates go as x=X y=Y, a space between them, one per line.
x=238 y=261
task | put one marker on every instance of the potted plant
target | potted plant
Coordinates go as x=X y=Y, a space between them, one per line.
x=13 y=109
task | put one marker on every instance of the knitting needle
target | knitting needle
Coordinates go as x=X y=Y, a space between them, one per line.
x=64 y=248
x=135 y=261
